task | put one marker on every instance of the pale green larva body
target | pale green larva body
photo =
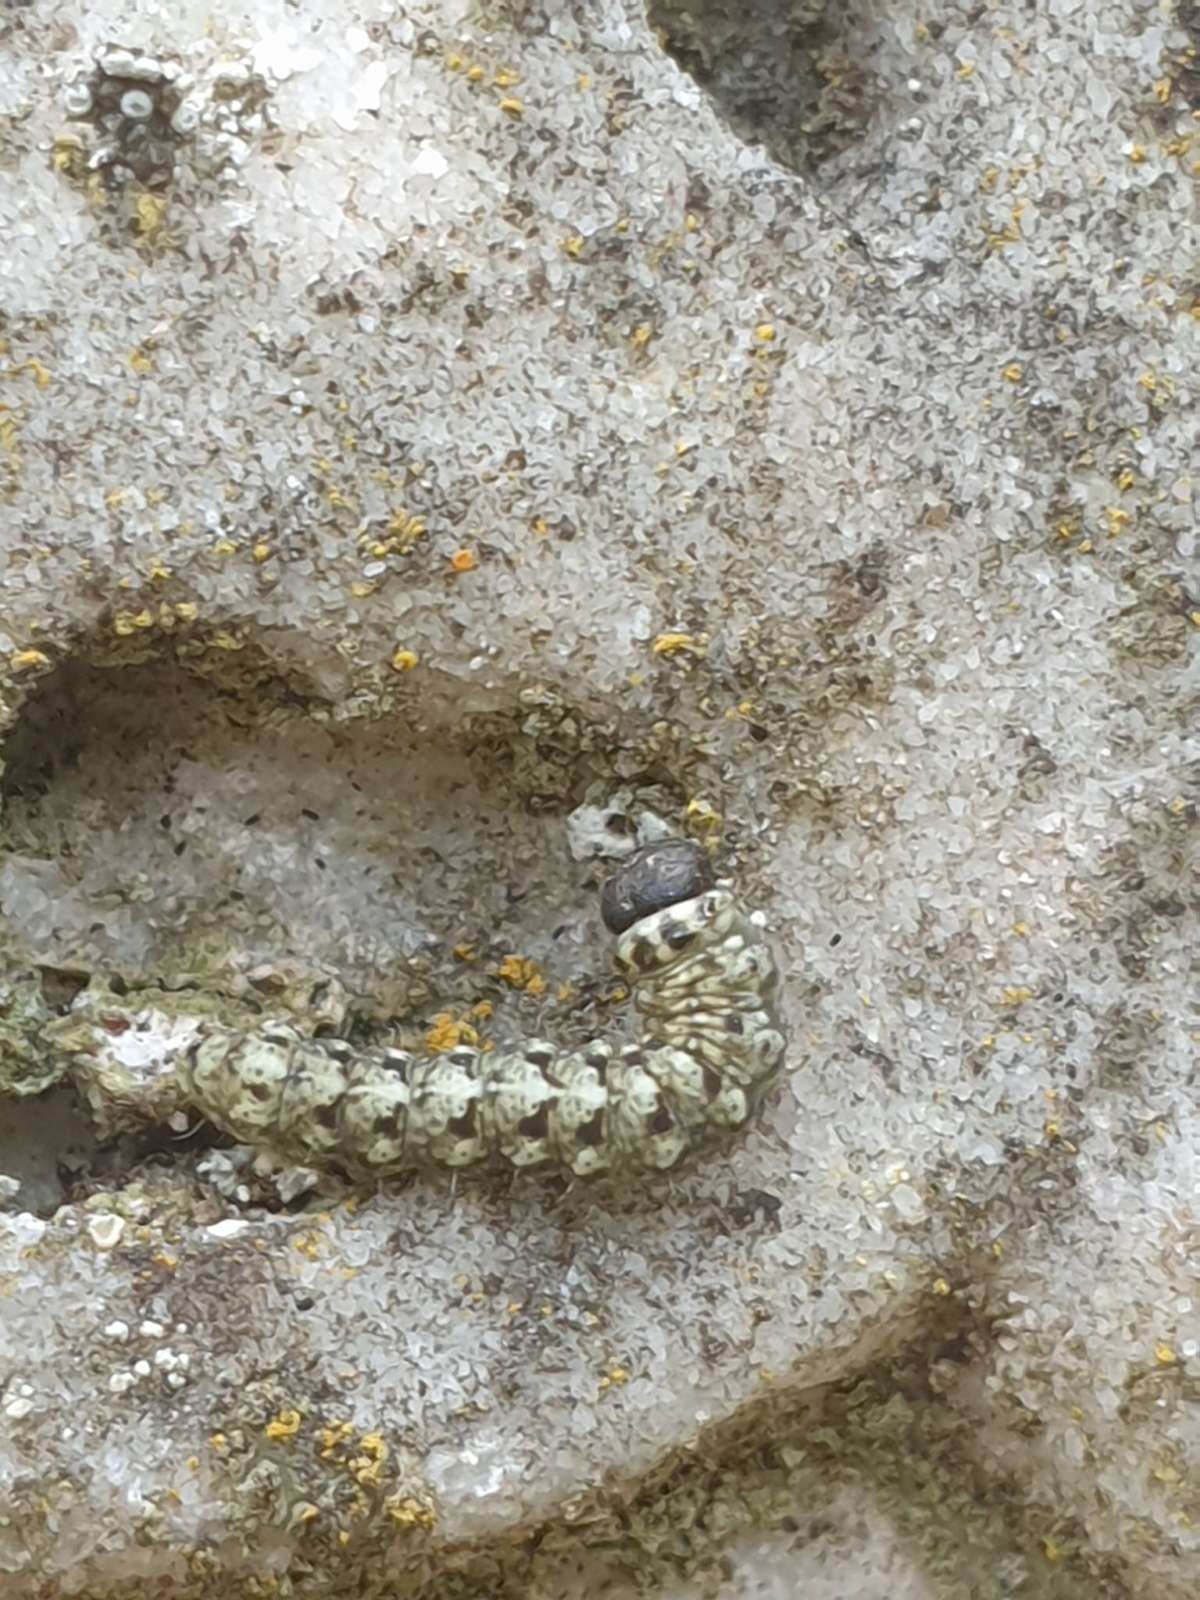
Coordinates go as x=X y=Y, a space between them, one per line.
x=704 y=983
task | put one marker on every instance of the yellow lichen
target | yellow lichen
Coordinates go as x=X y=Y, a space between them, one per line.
x=444 y=1033
x=670 y=644
x=404 y=660
x=26 y=660
x=410 y=1512
x=286 y=1425
x=521 y=973
x=127 y=622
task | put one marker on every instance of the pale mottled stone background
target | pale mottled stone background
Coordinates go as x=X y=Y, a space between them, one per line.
x=858 y=347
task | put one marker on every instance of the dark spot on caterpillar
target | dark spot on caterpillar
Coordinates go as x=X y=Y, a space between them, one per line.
x=598 y=1061
x=259 y=1091
x=712 y=1082
x=463 y=1058
x=337 y=1048
x=325 y=1115
x=540 y=1057
x=591 y=1132
x=662 y=1121
x=463 y=1127
x=537 y=1124
x=643 y=955
x=734 y=1024
x=397 y=1061
x=676 y=936
x=387 y=1123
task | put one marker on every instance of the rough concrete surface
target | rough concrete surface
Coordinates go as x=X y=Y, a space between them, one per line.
x=417 y=421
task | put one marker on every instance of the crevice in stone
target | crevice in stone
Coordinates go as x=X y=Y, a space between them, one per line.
x=792 y=75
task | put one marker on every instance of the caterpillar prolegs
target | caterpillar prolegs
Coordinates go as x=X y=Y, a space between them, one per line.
x=704 y=983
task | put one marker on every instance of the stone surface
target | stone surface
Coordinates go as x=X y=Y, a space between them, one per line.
x=458 y=409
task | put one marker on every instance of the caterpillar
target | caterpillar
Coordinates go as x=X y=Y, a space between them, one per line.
x=704 y=983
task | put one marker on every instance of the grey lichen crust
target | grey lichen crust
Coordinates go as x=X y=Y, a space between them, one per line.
x=705 y=986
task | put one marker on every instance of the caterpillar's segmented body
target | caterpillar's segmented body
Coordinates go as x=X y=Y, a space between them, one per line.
x=705 y=983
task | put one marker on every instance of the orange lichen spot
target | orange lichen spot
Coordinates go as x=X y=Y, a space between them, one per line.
x=286 y=1425
x=584 y=80
x=464 y=561
x=521 y=973
x=444 y=1033
x=404 y=660
x=482 y=1009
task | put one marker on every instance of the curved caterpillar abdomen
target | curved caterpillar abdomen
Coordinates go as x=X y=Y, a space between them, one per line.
x=705 y=984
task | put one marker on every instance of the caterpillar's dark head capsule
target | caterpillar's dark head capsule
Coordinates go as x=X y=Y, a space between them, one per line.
x=655 y=876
